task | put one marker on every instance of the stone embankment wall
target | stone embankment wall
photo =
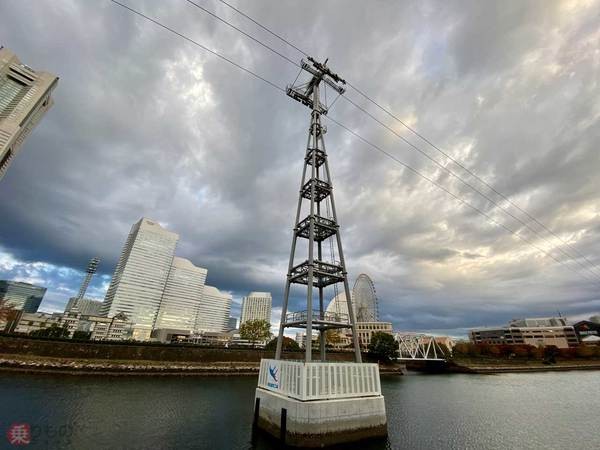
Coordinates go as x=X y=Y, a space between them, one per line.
x=10 y=345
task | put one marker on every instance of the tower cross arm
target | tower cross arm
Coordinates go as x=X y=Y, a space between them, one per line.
x=321 y=72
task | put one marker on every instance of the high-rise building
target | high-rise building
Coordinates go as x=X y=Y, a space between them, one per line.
x=182 y=296
x=21 y=296
x=83 y=306
x=24 y=99
x=139 y=280
x=232 y=323
x=256 y=306
x=213 y=311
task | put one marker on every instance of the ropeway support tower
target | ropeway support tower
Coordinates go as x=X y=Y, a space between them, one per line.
x=319 y=225
x=308 y=403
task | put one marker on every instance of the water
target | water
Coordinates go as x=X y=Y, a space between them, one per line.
x=508 y=411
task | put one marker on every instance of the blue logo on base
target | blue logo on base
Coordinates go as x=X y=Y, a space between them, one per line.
x=273 y=375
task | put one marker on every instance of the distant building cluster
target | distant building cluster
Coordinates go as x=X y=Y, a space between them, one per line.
x=166 y=296
x=154 y=295
x=543 y=331
x=25 y=96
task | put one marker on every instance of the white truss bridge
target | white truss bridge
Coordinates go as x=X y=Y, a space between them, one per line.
x=419 y=347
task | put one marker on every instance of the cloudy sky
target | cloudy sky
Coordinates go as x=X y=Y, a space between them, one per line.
x=147 y=124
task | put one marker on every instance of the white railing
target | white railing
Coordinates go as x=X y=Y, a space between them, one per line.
x=319 y=380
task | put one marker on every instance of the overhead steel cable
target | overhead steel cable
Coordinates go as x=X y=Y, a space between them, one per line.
x=412 y=169
x=452 y=194
x=466 y=183
x=196 y=43
x=435 y=147
x=291 y=61
x=473 y=174
x=272 y=33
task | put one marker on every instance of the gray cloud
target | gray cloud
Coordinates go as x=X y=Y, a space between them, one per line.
x=146 y=124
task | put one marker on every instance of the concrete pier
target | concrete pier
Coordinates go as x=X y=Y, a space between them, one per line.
x=319 y=403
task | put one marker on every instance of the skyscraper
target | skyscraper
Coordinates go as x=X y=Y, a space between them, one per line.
x=232 y=323
x=256 y=306
x=23 y=296
x=213 y=311
x=140 y=277
x=24 y=99
x=182 y=296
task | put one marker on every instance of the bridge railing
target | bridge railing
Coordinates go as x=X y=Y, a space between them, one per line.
x=319 y=380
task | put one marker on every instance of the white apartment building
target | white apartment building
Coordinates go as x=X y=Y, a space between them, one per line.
x=115 y=328
x=84 y=306
x=213 y=311
x=24 y=99
x=139 y=280
x=182 y=297
x=256 y=306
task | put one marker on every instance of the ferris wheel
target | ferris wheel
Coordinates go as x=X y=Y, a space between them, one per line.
x=365 y=301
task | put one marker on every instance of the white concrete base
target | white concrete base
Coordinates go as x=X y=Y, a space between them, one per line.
x=318 y=423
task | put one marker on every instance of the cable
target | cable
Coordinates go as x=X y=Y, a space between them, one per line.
x=198 y=45
x=445 y=154
x=458 y=198
x=244 y=33
x=470 y=172
x=470 y=186
x=264 y=28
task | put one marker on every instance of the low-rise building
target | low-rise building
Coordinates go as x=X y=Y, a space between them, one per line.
x=301 y=338
x=100 y=328
x=585 y=328
x=367 y=329
x=536 y=332
x=447 y=341
x=116 y=328
x=591 y=340
x=28 y=322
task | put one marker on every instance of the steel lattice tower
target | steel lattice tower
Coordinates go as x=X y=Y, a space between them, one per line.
x=319 y=226
x=89 y=273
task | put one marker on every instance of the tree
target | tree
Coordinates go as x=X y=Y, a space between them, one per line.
x=383 y=346
x=82 y=335
x=8 y=314
x=288 y=345
x=5 y=310
x=333 y=337
x=550 y=354
x=53 y=331
x=255 y=331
